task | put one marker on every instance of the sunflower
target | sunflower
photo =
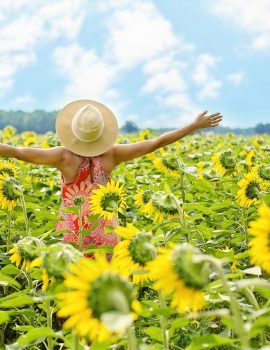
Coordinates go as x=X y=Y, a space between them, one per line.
x=163 y=206
x=8 y=168
x=158 y=153
x=55 y=260
x=143 y=201
x=99 y=303
x=260 y=243
x=157 y=205
x=132 y=255
x=257 y=142
x=200 y=169
x=7 y=133
x=263 y=172
x=176 y=273
x=250 y=187
x=35 y=175
x=25 y=254
x=224 y=162
x=144 y=134
x=250 y=158
x=107 y=200
x=167 y=165
x=8 y=193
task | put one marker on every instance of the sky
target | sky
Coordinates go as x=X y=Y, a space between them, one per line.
x=157 y=63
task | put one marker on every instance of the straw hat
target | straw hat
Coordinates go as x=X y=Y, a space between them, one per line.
x=86 y=127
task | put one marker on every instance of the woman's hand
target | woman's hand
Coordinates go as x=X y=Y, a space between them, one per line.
x=204 y=120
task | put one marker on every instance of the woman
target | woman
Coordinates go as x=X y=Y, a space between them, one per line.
x=87 y=130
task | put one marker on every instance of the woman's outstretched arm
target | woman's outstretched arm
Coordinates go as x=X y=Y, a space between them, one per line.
x=43 y=156
x=122 y=153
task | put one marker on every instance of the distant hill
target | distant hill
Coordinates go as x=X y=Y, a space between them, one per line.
x=41 y=121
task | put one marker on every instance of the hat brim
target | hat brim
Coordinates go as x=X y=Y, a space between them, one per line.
x=88 y=149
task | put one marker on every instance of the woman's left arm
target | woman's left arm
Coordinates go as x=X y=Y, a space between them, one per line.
x=122 y=153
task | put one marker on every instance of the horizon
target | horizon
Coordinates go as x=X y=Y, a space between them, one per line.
x=144 y=59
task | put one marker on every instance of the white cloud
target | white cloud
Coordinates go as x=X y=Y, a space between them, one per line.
x=137 y=37
x=9 y=64
x=26 y=25
x=85 y=72
x=201 y=70
x=138 y=33
x=165 y=82
x=210 y=89
x=235 y=78
x=203 y=76
x=250 y=15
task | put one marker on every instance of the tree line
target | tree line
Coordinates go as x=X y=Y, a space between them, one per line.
x=41 y=121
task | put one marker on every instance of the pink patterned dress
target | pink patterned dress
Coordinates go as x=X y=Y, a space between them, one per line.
x=91 y=173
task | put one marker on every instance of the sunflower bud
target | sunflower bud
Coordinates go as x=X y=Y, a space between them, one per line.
x=28 y=247
x=194 y=274
x=25 y=253
x=141 y=249
x=227 y=161
x=163 y=202
x=57 y=257
x=264 y=172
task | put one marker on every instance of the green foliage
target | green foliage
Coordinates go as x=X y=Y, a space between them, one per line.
x=213 y=222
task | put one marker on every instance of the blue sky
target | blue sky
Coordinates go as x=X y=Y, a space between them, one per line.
x=155 y=62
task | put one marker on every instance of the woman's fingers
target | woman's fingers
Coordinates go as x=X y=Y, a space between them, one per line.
x=203 y=113
x=215 y=118
x=214 y=115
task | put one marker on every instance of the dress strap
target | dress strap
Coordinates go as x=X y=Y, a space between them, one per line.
x=91 y=169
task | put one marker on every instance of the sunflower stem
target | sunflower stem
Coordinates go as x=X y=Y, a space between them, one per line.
x=117 y=224
x=245 y=225
x=180 y=210
x=132 y=339
x=8 y=231
x=49 y=322
x=76 y=341
x=181 y=181
x=80 y=238
x=253 y=301
x=28 y=233
x=236 y=314
x=29 y=280
x=163 y=323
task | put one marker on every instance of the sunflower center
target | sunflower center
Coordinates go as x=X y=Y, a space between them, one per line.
x=146 y=196
x=110 y=201
x=194 y=275
x=109 y=293
x=163 y=203
x=8 y=189
x=141 y=249
x=227 y=161
x=170 y=163
x=264 y=172
x=8 y=171
x=253 y=190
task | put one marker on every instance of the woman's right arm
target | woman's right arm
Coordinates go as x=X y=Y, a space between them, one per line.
x=43 y=156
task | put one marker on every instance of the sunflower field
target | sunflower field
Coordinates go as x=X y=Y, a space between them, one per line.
x=191 y=267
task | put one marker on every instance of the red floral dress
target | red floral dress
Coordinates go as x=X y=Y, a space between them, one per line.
x=91 y=173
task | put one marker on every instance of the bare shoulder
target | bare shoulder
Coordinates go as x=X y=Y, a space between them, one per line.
x=108 y=160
